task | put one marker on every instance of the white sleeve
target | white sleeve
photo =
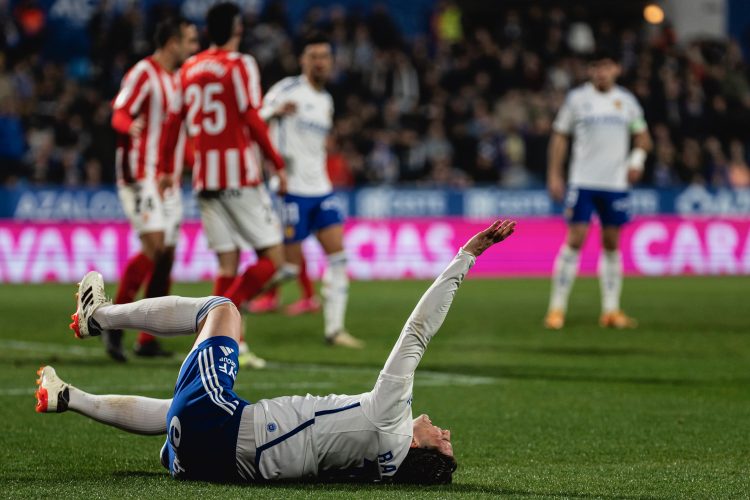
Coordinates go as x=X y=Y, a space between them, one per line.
x=271 y=101
x=392 y=393
x=563 y=123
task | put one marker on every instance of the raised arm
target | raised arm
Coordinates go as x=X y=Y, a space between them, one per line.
x=388 y=404
x=433 y=307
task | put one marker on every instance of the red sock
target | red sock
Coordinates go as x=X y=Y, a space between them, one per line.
x=222 y=284
x=308 y=290
x=248 y=285
x=136 y=272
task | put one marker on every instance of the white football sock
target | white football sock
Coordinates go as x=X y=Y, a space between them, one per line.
x=135 y=414
x=335 y=293
x=563 y=277
x=162 y=316
x=610 y=280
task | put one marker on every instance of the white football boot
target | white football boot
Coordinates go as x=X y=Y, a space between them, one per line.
x=52 y=395
x=342 y=338
x=89 y=298
x=248 y=359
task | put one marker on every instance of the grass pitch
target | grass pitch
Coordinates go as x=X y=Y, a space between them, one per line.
x=659 y=412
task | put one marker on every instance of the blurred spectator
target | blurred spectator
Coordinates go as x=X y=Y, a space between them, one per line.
x=469 y=102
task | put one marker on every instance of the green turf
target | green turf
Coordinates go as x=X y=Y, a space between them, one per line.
x=660 y=412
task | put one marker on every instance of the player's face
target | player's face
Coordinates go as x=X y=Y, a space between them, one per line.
x=604 y=73
x=427 y=435
x=316 y=62
x=189 y=44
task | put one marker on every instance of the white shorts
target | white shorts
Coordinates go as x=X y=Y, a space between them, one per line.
x=149 y=213
x=237 y=218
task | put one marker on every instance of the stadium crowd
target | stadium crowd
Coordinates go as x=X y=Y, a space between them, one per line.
x=472 y=102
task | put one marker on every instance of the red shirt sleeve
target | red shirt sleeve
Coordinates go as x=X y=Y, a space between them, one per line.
x=249 y=99
x=259 y=133
x=121 y=121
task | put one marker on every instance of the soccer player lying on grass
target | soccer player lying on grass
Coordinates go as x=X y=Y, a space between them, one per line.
x=213 y=434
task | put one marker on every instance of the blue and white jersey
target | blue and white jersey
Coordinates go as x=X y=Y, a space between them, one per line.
x=310 y=436
x=601 y=124
x=301 y=136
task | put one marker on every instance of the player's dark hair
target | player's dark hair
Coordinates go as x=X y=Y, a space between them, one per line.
x=312 y=38
x=603 y=53
x=220 y=22
x=168 y=28
x=424 y=466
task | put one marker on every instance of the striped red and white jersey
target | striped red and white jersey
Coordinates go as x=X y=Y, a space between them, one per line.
x=146 y=91
x=218 y=94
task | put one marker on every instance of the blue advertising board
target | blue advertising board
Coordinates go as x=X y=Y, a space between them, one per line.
x=54 y=203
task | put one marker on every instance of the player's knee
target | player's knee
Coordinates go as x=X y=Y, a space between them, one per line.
x=218 y=310
x=227 y=311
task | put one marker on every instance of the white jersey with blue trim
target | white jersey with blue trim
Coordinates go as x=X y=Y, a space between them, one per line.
x=601 y=124
x=366 y=435
x=300 y=137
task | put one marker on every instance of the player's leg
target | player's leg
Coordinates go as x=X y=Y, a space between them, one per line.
x=613 y=212
x=328 y=224
x=219 y=233
x=579 y=208
x=161 y=316
x=208 y=316
x=335 y=289
x=160 y=281
x=142 y=206
x=136 y=414
x=153 y=245
x=254 y=221
x=307 y=302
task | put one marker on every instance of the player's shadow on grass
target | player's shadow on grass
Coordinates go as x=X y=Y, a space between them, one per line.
x=345 y=487
x=349 y=487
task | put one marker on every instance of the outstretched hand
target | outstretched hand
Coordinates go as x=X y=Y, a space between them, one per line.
x=497 y=232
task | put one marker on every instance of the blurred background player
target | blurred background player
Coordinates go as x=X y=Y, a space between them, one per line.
x=601 y=116
x=139 y=112
x=300 y=113
x=217 y=98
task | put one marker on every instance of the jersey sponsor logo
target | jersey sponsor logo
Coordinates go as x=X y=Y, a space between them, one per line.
x=604 y=120
x=312 y=126
x=228 y=366
x=226 y=350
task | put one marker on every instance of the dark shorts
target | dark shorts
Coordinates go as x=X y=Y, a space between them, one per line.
x=304 y=215
x=204 y=419
x=613 y=207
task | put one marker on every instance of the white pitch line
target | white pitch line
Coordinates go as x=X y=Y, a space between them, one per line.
x=434 y=377
x=137 y=389
x=22 y=345
x=425 y=378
